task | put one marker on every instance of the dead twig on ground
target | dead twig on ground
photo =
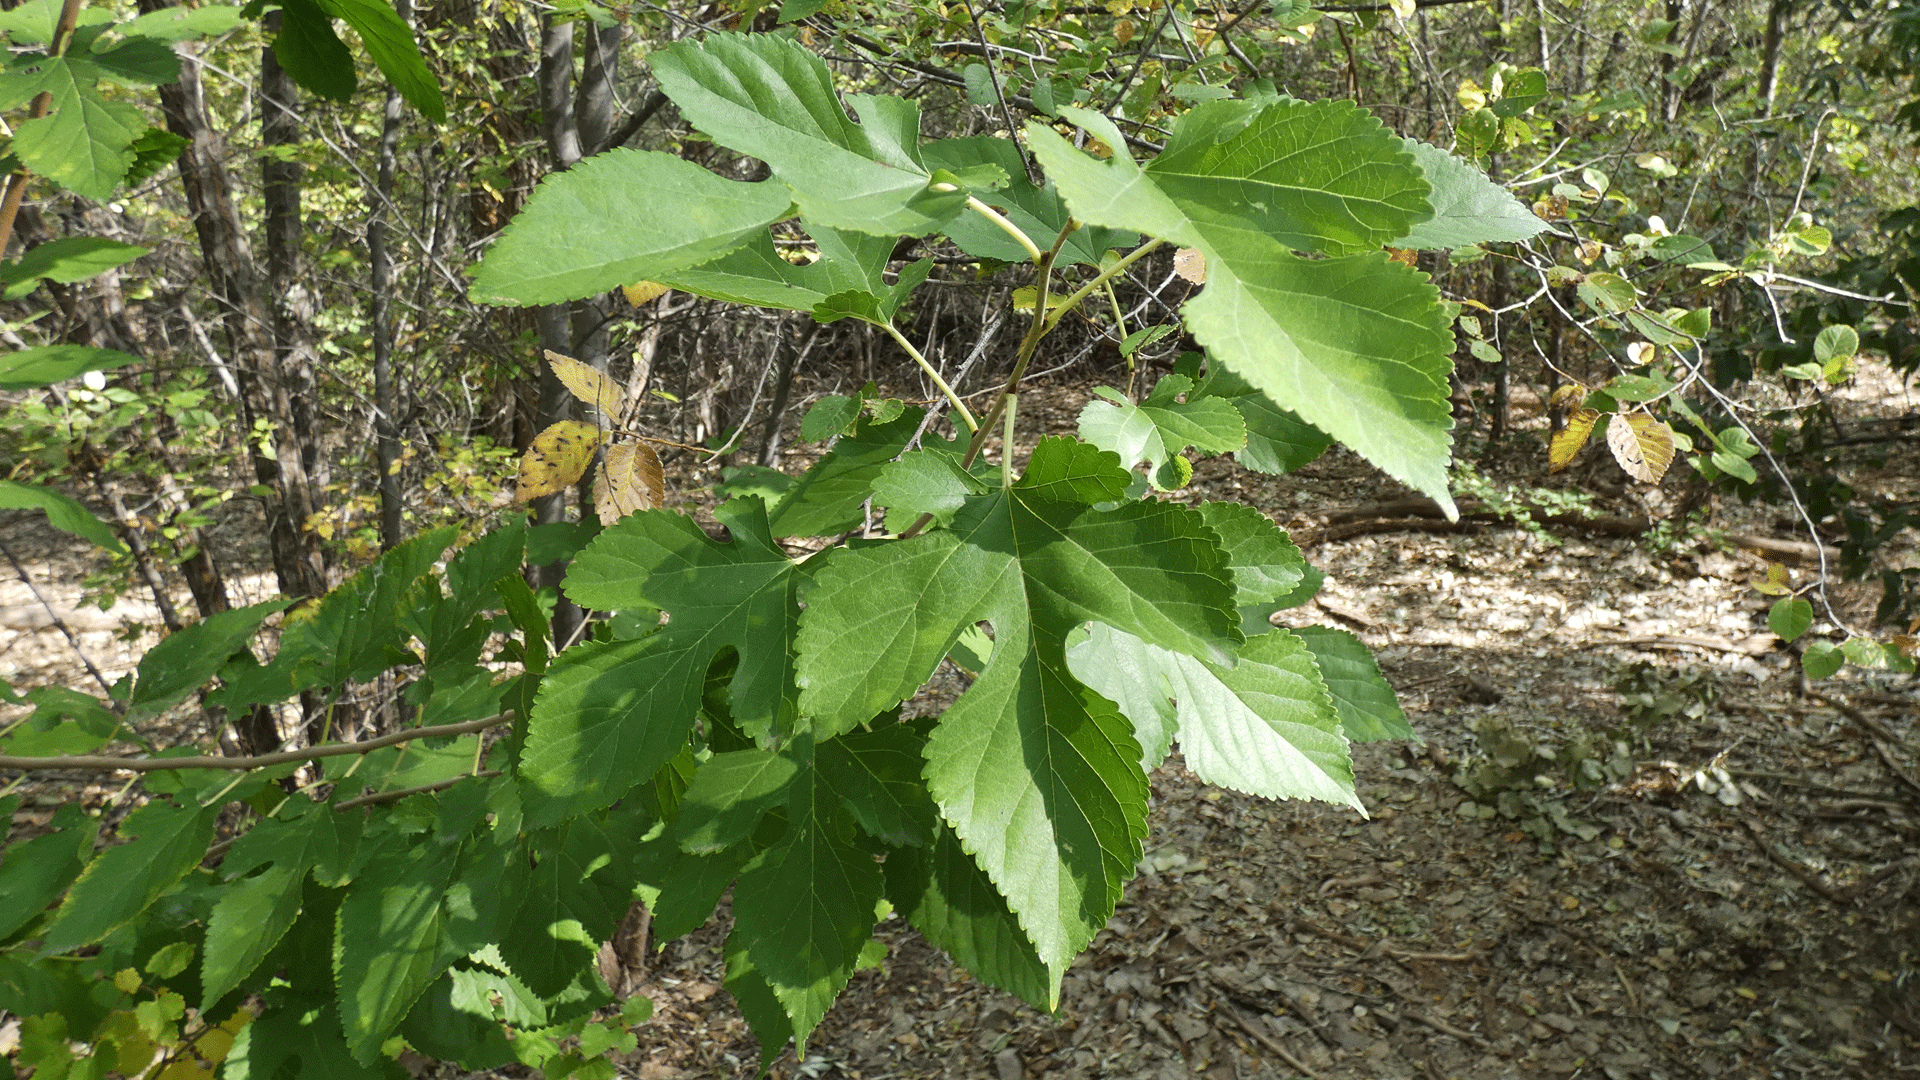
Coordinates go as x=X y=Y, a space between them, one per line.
x=1227 y=1009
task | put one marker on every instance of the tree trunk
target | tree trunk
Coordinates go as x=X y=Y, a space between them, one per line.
x=387 y=405
x=294 y=394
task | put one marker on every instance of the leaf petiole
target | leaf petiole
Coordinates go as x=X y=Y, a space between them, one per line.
x=959 y=406
x=1073 y=301
x=1019 y=235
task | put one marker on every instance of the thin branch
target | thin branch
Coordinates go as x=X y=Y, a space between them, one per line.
x=401 y=793
x=109 y=763
x=72 y=639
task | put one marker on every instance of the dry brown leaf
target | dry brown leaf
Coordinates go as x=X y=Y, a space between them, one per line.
x=643 y=291
x=631 y=480
x=1566 y=442
x=559 y=457
x=590 y=386
x=1404 y=256
x=1191 y=265
x=1642 y=445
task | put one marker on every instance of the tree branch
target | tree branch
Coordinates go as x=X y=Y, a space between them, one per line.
x=109 y=763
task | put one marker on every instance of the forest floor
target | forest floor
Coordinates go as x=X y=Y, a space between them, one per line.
x=1721 y=882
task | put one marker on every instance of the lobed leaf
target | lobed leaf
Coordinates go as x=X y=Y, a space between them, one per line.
x=1358 y=345
x=610 y=714
x=771 y=98
x=1265 y=725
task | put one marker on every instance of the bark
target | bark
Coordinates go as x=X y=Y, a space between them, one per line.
x=387 y=406
x=295 y=388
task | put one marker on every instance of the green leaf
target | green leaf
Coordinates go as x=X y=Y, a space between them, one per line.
x=925 y=482
x=1040 y=778
x=1278 y=441
x=1822 y=659
x=251 y=917
x=63 y=513
x=1521 y=89
x=66 y=260
x=389 y=41
x=1790 y=617
x=1468 y=208
x=139 y=61
x=575 y=898
x=756 y=274
x=728 y=796
x=1607 y=294
x=84 y=143
x=387 y=946
x=876 y=773
x=1162 y=427
x=831 y=496
x=803 y=909
x=44 y=365
x=1835 y=342
x=312 y=53
x=183 y=661
x=947 y=897
x=559 y=247
x=610 y=715
x=833 y=415
x=37 y=871
x=1267 y=567
x=1358 y=346
x=765 y=1014
x=1037 y=211
x=770 y=98
x=354 y=632
x=1369 y=710
x=1319 y=176
x=154 y=150
x=302 y=1031
x=183 y=23
x=123 y=881
x=1265 y=725
x=871 y=307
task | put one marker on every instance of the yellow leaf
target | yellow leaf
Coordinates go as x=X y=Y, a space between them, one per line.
x=1402 y=8
x=1191 y=265
x=126 y=980
x=1470 y=95
x=1567 y=394
x=1642 y=445
x=641 y=292
x=1404 y=256
x=559 y=457
x=590 y=386
x=1123 y=31
x=1566 y=442
x=631 y=480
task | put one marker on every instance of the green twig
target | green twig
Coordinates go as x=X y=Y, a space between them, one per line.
x=959 y=406
x=1111 y=272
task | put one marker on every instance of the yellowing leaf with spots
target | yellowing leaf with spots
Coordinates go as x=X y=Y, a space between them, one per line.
x=631 y=480
x=1566 y=442
x=641 y=292
x=590 y=386
x=558 y=458
x=1642 y=445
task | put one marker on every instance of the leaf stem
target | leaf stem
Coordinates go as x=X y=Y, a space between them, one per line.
x=1035 y=331
x=1006 y=443
x=1019 y=235
x=959 y=406
x=1118 y=268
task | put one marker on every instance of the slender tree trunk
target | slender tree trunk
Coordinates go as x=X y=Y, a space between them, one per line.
x=387 y=404
x=295 y=391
